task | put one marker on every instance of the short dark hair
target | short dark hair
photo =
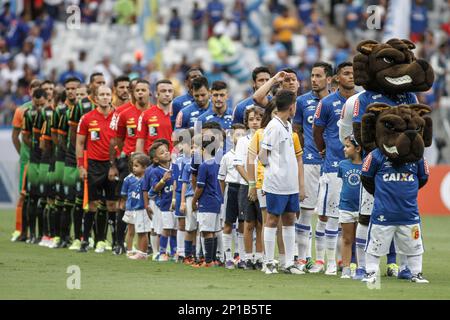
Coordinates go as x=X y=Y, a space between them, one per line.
x=255 y=109
x=158 y=143
x=268 y=113
x=93 y=75
x=140 y=158
x=207 y=143
x=259 y=70
x=238 y=126
x=284 y=99
x=290 y=70
x=46 y=81
x=142 y=81
x=39 y=93
x=166 y=81
x=214 y=125
x=121 y=79
x=327 y=68
x=35 y=83
x=218 y=85
x=186 y=76
x=71 y=79
x=343 y=65
x=200 y=82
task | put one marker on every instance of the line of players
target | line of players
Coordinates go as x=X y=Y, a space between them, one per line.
x=113 y=128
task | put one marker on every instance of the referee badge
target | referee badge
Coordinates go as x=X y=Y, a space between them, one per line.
x=95 y=135
x=152 y=131
x=415 y=232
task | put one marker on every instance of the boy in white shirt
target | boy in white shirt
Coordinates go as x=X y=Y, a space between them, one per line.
x=283 y=181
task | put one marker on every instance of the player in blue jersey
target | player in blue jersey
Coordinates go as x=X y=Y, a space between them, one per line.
x=183 y=145
x=395 y=214
x=187 y=99
x=350 y=173
x=218 y=112
x=134 y=206
x=321 y=74
x=326 y=137
x=260 y=75
x=208 y=200
x=187 y=116
x=162 y=183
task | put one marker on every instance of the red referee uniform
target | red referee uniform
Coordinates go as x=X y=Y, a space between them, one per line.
x=154 y=124
x=127 y=128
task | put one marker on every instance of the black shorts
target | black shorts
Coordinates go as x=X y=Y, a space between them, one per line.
x=124 y=171
x=251 y=209
x=232 y=211
x=100 y=188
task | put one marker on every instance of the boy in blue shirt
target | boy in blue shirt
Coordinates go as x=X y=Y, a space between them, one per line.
x=162 y=184
x=350 y=173
x=135 y=214
x=395 y=214
x=208 y=200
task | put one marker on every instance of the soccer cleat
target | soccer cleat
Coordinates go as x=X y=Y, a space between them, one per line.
x=309 y=263
x=258 y=265
x=108 y=245
x=119 y=250
x=418 y=278
x=392 y=270
x=204 y=264
x=31 y=239
x=293 y=269
x=229 y=265
x=55 y=243
x=15 y=235
x=84 y=246
x=180 y=259
x=138 y=256
x=241 y=264
x=353 y=267
x=45 y=241
x=155 y=255
x=340 y=265
x=63 y=244
x=189 y=261
x=76 y=245
x=346 y=273
x=405 y=274
x=22 y=238
x=370 y=277
x=131 y=253
x=248 y=265
x=163 y=257
x=317 y=267
x=271 y=268
x=91 y=243
x=149 y=250
x=359 y=274
x=331 y=270
x=100 y=247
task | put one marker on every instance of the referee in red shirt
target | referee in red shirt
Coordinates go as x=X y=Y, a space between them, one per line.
x=155 y=122
x=94 y=134
x=125 y=133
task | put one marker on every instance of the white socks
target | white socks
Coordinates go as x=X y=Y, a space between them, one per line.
x=415 y=264
x=361 y=239
x=227 y=239
x=303 y=230
x=219 y=245
x=331 y=235
x=241 y=245
x=180 y=243
x=154 y=243
x=289 y=244
x=269 y=243
x=320 y=240
x=372 y=263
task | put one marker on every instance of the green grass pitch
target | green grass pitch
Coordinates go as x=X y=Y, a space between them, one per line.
x=33 y=272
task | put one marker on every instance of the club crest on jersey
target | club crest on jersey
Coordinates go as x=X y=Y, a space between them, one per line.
x=310 y=119
x=354 y=179
x=398 y=177
x=415 y=232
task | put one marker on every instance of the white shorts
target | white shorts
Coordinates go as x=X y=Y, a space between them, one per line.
x=168 y=220
x=365 y=202
x=261 y=198
x=156 y=218
x=407 y=239
x=142 y=222
x=129 y=217
x=348 y=216
x=312 y=176
x=191 y=216
x=208 y=222
x=329 y=195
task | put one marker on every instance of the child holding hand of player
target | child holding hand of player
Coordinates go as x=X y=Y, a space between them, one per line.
x=135 y=209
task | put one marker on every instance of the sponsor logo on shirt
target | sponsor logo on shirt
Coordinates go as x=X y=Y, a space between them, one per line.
x=381 y=218
x=336 y=103
x=398 y=177
x=356 y=108
x=377 y=96
x=367 y=161
x=319 y=107
x=310 y=119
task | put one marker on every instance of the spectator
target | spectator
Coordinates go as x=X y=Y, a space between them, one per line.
x=284 y=26
x=6 y=18
x=71 y=72
x=214 y=12
x=239 y=15
x=38 y=42
x=229 y=26
x=28 y=76
x=269 y=52
x=10 y=73
x=52 y=7
x=125 y=11
x=315 y=27
x=353 y=17
x=284 y=61
x=89 y=11
x=312 y=52
x=305 y=9
x=109 y=70
x=27 y=57
x=16 y=33
x=216 y=74
x=138 y=68
x=46 y=23
x=5 y=55
x=197 y=16
x=419 y=20
x=441 y=66
x=174 y=26
x=341 y=53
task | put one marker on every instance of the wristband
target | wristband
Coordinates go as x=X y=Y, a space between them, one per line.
x=80 y=162
x=252 y=183
x=162 y=181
